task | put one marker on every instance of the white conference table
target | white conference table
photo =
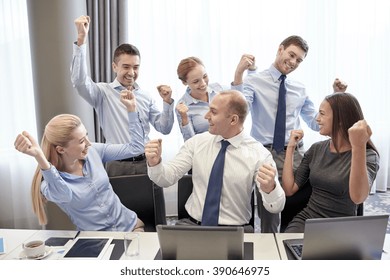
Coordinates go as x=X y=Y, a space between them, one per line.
x=283 y=256
x=264 y=244
x=13 y=238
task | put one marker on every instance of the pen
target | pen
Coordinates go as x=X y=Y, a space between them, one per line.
x=77 y=234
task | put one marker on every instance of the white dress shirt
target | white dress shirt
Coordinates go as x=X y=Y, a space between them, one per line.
x=243 y=158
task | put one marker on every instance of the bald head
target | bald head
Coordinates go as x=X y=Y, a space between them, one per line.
x=235 y=103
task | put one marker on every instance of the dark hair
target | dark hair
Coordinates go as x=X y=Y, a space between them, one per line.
x=346 y=112
x=237 y=104
x=186 y=65
x=125 y=49
x=296 y=41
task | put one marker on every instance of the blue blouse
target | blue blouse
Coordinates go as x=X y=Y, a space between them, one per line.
x=197 y=109
x=89 y=200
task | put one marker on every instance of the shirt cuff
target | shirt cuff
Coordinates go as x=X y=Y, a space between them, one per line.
x=168 y=107
x=79 y=49
x=155 y=170
x=50 y=174
x=133 y=116
x=275 y=200
x=239 y=87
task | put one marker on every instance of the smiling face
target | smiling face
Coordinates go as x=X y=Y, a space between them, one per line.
x=288 y=59
x=219 y=118
x=77 y=147
x=325 y=119
x=197 y=81
x=126 y=68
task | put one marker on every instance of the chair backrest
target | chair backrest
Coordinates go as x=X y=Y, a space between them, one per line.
x=141 y=195
x=360 y=209
x=57 y=219
x=295 y=203
x=184 y=190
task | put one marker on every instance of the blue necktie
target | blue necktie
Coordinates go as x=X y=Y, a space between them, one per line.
x=280 y=122
x=213 y=197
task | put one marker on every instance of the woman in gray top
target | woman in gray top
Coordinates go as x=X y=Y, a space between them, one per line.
x=341 y=169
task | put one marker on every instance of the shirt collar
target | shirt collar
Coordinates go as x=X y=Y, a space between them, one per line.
x=188 y=99
x=235 y=141
x=117 y=85
x=275 y=73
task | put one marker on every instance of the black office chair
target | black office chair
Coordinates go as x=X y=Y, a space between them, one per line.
x=298 y=201
x=57 y=219
x=294 y=204
x=360 y=209
x=184 y=190
x=140 y=194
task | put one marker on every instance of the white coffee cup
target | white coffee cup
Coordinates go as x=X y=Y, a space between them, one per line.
x=34 y=249
x=131 y=240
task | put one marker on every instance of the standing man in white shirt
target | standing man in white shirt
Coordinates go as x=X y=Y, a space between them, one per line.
x=247 y=164
x=104 y=97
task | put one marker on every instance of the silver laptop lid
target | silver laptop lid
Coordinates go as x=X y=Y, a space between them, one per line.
x=355 y=237
x=181 y=242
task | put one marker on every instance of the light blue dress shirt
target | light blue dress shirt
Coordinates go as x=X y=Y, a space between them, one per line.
x=112 y=114
x=89 y=200
x=261 y=90
x=197 y=109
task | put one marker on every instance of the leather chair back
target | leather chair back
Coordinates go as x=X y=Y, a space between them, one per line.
x=140 y=194
x=57 y=219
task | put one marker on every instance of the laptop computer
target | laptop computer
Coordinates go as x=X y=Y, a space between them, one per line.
x=181 y=242
x=348 y=238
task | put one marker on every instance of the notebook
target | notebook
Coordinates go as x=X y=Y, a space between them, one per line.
x=181 y=242
x=348 y=238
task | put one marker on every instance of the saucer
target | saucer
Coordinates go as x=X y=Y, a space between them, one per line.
x=48 y=251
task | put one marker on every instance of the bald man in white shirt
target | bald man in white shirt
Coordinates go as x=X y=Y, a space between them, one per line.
x=247 y=164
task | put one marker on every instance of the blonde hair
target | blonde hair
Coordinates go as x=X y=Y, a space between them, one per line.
x=58 y=132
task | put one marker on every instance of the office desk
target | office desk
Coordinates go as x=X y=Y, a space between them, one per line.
x=14 y=238
x=281 y=236
x=386 y=248
x=148 y=243
x=24 y=236
x=264 y=244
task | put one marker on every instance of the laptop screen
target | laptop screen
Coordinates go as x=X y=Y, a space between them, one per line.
x=201 y=242
x=343 y=238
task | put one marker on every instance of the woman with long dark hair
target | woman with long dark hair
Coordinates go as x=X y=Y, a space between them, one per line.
x=341 y=169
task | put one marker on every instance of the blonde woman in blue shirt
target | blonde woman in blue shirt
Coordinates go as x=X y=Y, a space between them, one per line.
x=73 y=173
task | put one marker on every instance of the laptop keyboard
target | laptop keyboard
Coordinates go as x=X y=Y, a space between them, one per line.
x=297 y=249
